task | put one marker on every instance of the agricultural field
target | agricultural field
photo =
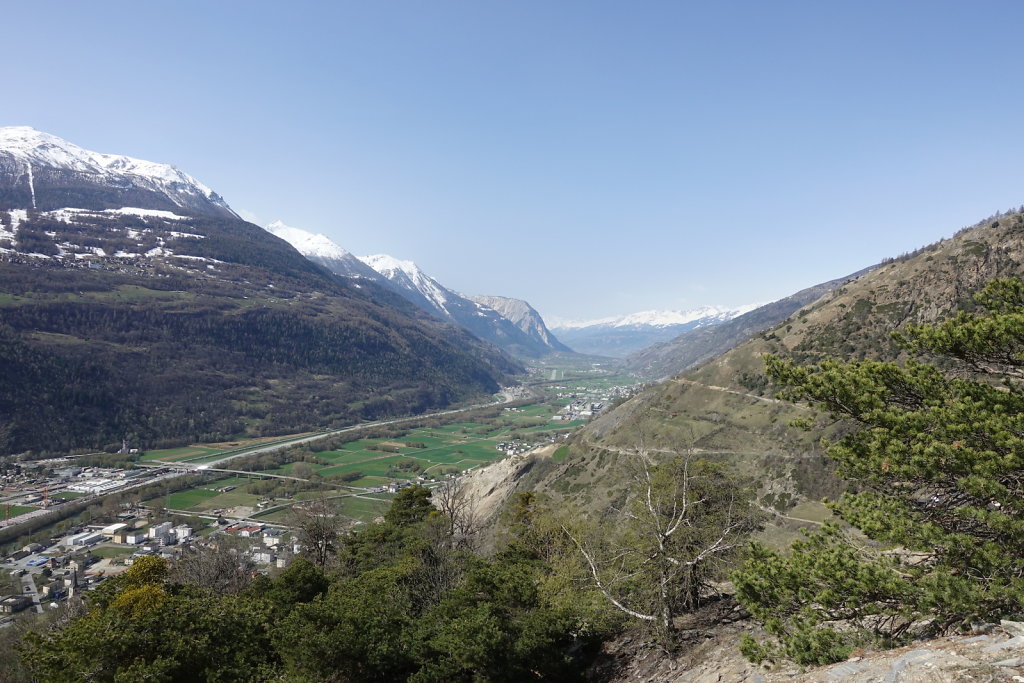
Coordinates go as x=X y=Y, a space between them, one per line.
x=349 y=472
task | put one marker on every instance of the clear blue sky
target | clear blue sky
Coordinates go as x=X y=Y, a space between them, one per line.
x=594 y=158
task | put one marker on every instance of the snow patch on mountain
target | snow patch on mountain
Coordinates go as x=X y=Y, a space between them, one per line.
x=307 y=243
x=36 y=149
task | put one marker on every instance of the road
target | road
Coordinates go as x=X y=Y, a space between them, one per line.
x=28 y=587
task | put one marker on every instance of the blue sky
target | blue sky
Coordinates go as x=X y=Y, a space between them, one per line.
x=594 y=158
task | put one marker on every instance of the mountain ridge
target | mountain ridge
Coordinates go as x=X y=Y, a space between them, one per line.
x=42 y=171
x=170 y=320
x=620 y=336
x=529 y=340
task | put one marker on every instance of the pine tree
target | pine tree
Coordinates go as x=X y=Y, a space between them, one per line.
x=936 y=458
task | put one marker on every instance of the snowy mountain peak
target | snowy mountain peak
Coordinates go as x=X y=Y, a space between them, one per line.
x=32 y=149
x=389 y=266
x=45 y=149
x=307 y=243
x=408 y=275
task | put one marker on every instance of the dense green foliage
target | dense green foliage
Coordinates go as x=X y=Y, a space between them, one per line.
x=937 y=459
x=399 y=602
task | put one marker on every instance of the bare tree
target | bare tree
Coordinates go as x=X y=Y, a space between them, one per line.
x=459 y=508
x=222 y=568
x=673 y=538
x=318 y=526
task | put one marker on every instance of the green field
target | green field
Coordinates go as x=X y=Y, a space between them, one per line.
x=227 y=481
x=15 y=510
x=362 y=508
x=458 y=446
x=68 y=495
x=184 y=500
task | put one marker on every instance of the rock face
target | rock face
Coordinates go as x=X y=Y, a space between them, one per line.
x=522 y=315
x=992 y=654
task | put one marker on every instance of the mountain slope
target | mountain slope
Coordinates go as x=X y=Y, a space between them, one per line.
x=723 y=410
x=321 y=249
x=694 y=346
x=176 y=325
x=407 y=280
x=482 y=320
x=621 y=336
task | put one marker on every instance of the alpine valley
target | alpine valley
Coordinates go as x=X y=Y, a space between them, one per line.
x=653 y=508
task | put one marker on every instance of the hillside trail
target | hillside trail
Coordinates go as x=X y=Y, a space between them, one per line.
x=766 y=399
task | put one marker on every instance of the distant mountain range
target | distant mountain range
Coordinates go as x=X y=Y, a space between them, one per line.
x=621 y=336
x=135 y=304
x=510 y=324
x=698 y=344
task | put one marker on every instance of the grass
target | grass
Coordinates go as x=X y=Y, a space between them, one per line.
x=184 y=500
x=228 y=500
x=812 y=512
x=228 y=481
x=363 y=509
x=68 y=495
x=13 y=511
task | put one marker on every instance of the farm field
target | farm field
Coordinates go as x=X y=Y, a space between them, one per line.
x=340 y=469
x=184 y=500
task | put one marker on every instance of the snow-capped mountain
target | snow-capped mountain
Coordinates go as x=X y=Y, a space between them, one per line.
x=620 y=336
x=321 y=249
x=704 y=315
x=147 y=308
x=423 y=290
x=42 y=171
x=408 y=280
x=477 y=317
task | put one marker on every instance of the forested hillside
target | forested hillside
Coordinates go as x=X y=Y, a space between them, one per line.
x=172 y=329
